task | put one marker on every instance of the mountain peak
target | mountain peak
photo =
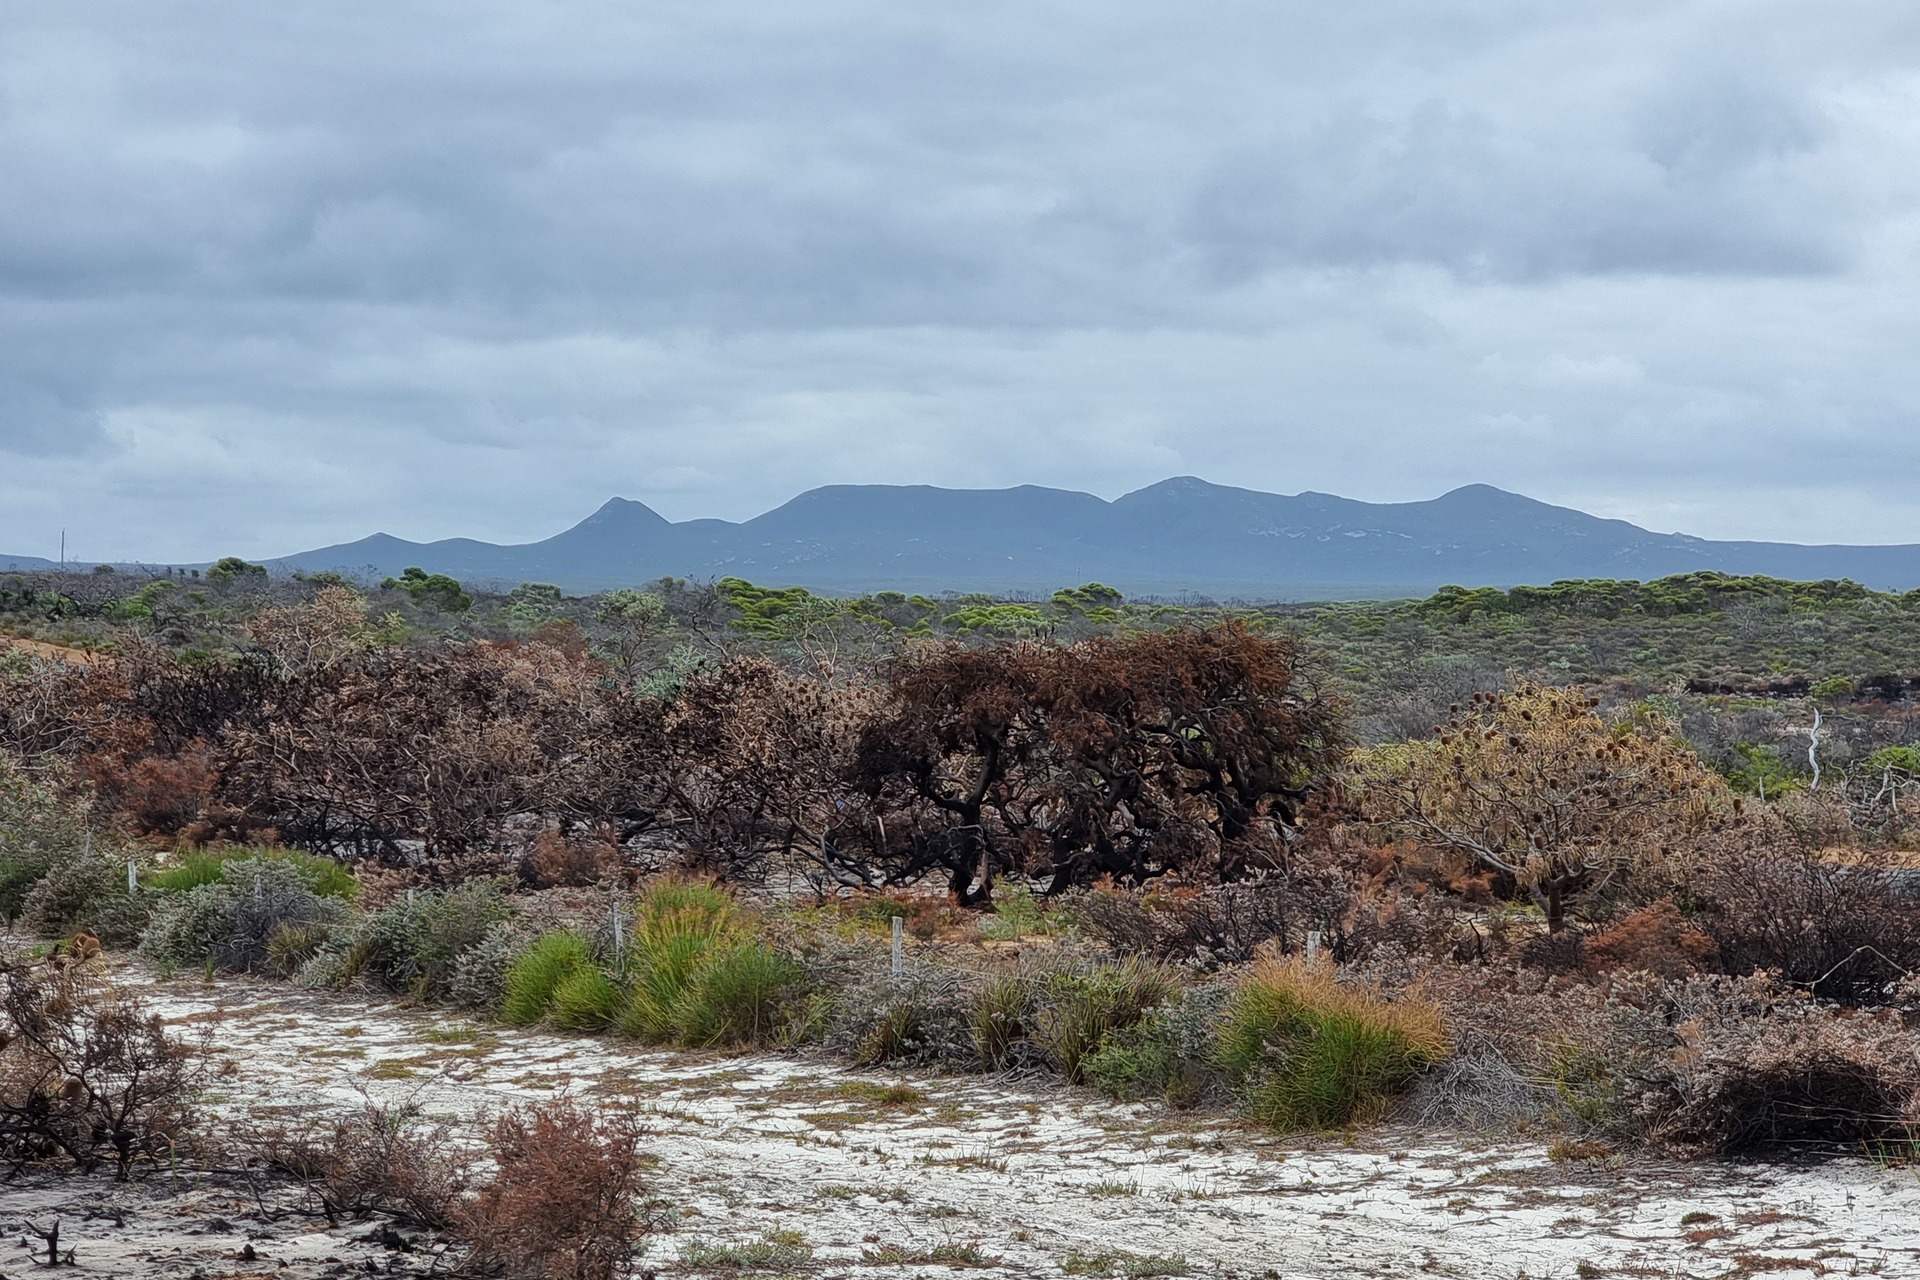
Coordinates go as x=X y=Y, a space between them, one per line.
x=624 y=511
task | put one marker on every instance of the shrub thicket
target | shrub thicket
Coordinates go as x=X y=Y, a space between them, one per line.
x=231 y=922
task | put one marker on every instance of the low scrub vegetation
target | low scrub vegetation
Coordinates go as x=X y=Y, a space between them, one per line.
x=1478 y=857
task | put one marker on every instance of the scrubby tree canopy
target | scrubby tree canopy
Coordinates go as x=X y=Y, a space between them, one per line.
x=1127 y=756
x=1536 y=785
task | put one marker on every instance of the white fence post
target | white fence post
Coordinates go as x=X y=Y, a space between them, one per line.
x=899 y=945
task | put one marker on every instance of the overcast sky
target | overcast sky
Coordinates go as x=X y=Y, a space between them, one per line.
x=275 y=275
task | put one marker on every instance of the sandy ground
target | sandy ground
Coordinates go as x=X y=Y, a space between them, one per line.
x=800 y=1167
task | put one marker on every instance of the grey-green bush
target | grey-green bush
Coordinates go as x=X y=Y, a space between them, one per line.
x=1076 y=1008
x=86 y=892
x=1168 y=1054
x=232 y=920
x=39 y=830
x=417 y=947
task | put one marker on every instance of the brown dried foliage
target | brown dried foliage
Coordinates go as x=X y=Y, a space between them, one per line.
x=1190 y=750
x=86 y=1074
x=564 y=1202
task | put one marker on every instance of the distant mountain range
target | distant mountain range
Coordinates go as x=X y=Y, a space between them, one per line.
x=1179 y=536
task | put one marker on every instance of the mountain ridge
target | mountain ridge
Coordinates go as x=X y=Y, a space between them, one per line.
x=1182 y=535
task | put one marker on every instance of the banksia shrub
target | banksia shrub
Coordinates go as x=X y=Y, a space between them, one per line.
x=1305 y=1052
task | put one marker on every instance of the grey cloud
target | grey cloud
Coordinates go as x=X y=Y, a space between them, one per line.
x=295 y=257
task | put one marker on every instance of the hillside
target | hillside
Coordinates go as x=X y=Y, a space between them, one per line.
x=1181 y=535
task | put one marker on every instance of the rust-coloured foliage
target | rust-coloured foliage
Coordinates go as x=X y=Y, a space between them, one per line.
x=1129 y=757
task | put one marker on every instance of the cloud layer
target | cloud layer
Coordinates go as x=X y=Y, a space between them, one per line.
x=278 y=275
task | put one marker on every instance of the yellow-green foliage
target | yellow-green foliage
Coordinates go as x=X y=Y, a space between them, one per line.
x=699 y=974
x=585 y=1000
x=539 y=973
x=324 y=876
x=1306 y=1052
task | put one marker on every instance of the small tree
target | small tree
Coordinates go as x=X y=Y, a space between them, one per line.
x=234 y=569
x=1537 y=786
x=431 y=590
x=636 y=619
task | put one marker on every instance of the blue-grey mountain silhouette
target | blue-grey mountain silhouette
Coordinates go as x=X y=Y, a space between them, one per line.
x=1179 y=536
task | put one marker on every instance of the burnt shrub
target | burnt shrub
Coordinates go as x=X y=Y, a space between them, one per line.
x=379 y=1159
x=1832 y=920
x=87 y=1075
x=1805 y=1076
x=564 y=1202
x=1655 y=939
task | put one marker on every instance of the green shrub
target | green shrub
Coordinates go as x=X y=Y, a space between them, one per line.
x=1077 y=1008
x=85 y=893
x=229 y=922
x=738 y=996
x=537 y=975
x=1305 y=1052
x=419 y=946
x=479 y=978
x=1016 y=914
x=38 y=831
x=1168 y=1054
x=585 y=1000
x=193 y=869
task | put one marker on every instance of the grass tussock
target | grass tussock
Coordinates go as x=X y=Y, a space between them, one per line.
x=537 y=976
x=585 y=1000
x=700 y=977
x=1306 y=1052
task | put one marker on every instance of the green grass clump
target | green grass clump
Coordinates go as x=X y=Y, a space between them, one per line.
x=323 y=876
x=699 y=976
x=535 y=978
x=1079 y=1008
x=939 y=1255
x=194 y=869
x=585 y=1000
x=1308 y=1053
x=737 y=997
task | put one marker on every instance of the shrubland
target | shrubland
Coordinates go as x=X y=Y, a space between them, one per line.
x=1316 y=867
